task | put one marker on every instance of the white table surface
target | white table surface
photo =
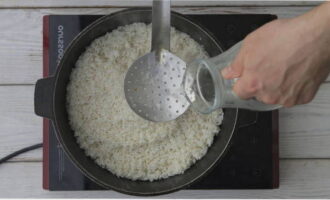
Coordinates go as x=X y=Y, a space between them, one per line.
x=304 y=130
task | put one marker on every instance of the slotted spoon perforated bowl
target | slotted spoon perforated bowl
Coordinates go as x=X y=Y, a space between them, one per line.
x=153 y=83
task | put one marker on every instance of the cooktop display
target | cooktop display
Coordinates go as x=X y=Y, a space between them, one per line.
x=251 y=162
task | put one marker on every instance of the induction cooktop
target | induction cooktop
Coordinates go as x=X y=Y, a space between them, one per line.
x=252 y=160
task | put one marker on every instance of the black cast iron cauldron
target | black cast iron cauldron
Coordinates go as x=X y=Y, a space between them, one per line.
x=50 y=102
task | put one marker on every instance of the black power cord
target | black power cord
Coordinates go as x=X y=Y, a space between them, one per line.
x=16 y=153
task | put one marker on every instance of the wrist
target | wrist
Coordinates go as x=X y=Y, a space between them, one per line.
x=322 y=19
x=319 y=20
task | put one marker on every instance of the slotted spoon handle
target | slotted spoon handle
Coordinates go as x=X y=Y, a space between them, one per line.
x=161 y=25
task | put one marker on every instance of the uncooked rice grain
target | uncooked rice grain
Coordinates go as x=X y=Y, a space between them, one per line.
x=110 y=132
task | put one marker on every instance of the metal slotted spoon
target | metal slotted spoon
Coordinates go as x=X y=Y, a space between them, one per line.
x=153 y=84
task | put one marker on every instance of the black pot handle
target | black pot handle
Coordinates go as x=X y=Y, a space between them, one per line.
x=43 y=97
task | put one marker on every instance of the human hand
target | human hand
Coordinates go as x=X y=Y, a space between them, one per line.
x=285 y=61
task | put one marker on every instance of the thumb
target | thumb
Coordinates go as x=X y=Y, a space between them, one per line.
x=234 y=70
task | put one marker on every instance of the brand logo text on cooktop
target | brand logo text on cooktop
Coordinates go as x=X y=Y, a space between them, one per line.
x=60 y=43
